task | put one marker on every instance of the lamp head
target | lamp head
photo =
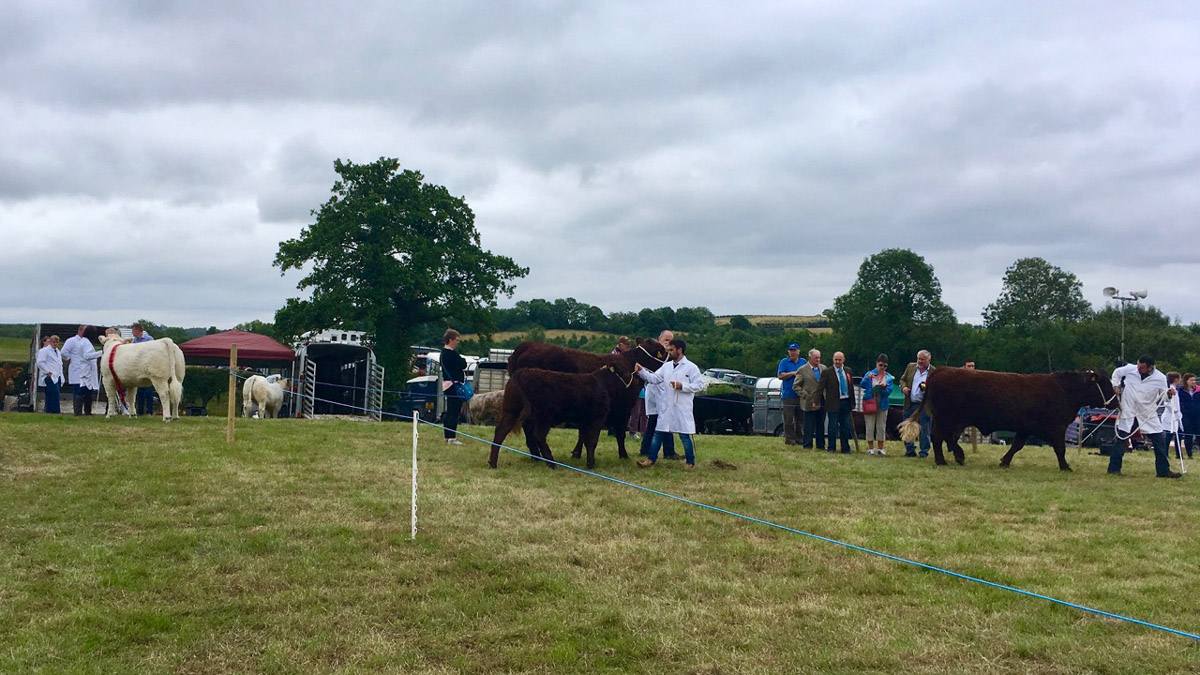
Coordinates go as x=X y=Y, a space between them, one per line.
x=1138 y=294
x=1110 y=291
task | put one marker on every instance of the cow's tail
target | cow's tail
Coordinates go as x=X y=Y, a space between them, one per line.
x=174 y=379
x=910 y=429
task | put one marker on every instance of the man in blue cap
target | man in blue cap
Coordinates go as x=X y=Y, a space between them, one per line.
x=789 y=396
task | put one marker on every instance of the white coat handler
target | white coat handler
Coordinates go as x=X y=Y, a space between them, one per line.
x=682 y=378
x=1141 y=388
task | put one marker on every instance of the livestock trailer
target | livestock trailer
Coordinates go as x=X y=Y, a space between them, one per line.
x=338 y=374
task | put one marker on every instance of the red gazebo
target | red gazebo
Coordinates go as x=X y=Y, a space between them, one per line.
x=253 y=350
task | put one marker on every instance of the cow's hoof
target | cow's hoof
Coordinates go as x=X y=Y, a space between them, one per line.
x=1003 y=464
x=491 y=465
x=959 y=461
x=940 y=462
x=1065 y=468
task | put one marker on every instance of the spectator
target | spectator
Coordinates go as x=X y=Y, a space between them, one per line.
x=1171 y=414
x=145 y=395
x=811 y=402
x=788 y=367
x=912 y=383
x=969 y=364
x=877 y=385
x=1189 y=408
x=622 y=345
x=682 y=379
x=50 y=373
x=454 y=373
x=81 y=357
x=838 y=394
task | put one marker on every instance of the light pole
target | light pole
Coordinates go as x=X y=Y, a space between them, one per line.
x=1130 y=296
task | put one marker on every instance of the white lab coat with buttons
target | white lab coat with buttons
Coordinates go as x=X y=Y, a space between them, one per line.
x=675 y=405
x=1140 y=398
x=83 y=357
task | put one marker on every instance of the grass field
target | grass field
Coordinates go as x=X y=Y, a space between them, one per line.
x=14 y=350
x=143 y=547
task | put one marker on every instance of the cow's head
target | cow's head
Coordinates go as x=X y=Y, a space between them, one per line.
x=110 y=341
x=1100 y=389
x=649 y=353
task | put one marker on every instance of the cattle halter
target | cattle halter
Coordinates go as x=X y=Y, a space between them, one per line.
x=120 y=387
x=647 y=353
x=622 y=380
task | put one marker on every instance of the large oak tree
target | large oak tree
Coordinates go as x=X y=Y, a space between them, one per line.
x=388 y=253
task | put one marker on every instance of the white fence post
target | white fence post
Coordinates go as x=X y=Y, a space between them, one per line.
x=416 y=419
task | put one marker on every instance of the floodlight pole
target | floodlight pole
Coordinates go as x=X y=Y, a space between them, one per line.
x=1131 y=297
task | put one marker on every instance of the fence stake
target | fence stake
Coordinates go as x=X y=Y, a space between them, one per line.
x=232 y=392
x=416 y=420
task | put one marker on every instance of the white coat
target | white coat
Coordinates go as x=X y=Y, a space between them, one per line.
x=49 y=362
x=675 y=405
x=1172 y=416
x=82 y=356
x=1140 y=398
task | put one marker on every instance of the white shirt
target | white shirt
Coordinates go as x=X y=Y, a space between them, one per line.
x=82 y=357
x=1139 y=398
x=49 y=362
x=675 y=405
x=1171 y=415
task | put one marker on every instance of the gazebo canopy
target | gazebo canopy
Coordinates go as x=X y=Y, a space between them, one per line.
x=254 y=350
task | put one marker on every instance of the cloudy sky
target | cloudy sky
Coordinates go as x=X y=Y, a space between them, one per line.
x=744 y=157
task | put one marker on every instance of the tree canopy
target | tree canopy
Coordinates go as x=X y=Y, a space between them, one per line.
x=1034 y=293
x=388 y=253
x=895 y=302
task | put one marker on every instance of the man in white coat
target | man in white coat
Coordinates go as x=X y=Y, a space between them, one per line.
x=49 y=372
x=654 y=394
x=1142 y=389
x=682 y=380
x=81 y=370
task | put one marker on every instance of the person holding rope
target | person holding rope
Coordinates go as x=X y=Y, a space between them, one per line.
x=656 y=395
x=683 y=382
x=1141 y=389
x=912 y=383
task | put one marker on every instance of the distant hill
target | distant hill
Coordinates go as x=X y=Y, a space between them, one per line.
x=813 y=323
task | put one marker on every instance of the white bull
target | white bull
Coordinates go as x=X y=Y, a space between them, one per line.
x=157 y=363
x=267 y=395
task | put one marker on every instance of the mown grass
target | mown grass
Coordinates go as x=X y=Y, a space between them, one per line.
x=143 y=547
x=14 y=350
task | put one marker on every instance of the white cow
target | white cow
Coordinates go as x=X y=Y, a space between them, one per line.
x=157 y=363
x=261 y=392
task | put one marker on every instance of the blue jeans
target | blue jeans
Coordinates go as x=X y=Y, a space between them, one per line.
x=53 y=395
x=145 y=401
x=926 y=422
x=663 y=436
x=668 y=445
x=1162 y=465
x=839 y=425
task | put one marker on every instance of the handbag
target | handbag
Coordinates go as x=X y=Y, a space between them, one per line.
x=465 y=391
x=870 y=406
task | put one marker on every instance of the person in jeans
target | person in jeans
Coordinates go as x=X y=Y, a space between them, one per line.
x=50 y=372
x=788 y=367
x=656 y=395
x=912 y=383
x=877 y=385
x=1189 y=408
x=682 y=380
x=1141 y=388
x=454 y=372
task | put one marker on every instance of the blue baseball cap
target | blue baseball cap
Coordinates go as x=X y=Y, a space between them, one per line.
x=793 y=346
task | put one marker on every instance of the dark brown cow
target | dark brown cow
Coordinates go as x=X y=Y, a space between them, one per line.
x=1040 y=405
x=537 y=400
x=649 y=353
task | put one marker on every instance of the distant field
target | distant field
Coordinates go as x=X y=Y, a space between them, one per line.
x=14 y=350
x=785 y=320
x=508 y=335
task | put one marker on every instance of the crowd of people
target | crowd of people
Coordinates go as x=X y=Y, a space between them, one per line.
x=75 y=362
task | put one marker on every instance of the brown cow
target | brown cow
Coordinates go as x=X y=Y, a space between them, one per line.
x=537 y=399
x=649 y=353
x=1040 y=405
x=8 y=375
